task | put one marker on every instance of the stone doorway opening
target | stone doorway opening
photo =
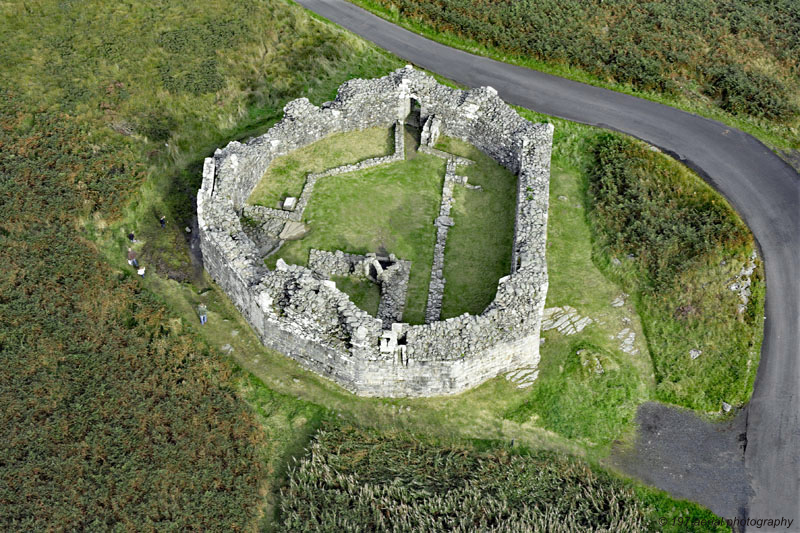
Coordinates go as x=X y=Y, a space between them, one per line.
x=413 y=128
x=413 y=118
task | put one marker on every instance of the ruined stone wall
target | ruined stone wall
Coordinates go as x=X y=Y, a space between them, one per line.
x=303 y=315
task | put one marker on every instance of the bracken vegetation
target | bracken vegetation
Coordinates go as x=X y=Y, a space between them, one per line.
x=114 y=415
x=355 y=480
x=109 y=419
x=684 y=248
x=741 y=55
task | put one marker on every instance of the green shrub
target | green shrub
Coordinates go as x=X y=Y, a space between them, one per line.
x=157 y=125
x=750 y=93
x=646 y=209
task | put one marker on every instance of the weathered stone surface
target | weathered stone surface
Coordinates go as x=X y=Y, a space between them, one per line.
x=627 y=338
x=293 y=230
x=295 y=310
x=289 y=203
x=564 y=319
x=742 y=282
x=524 y=377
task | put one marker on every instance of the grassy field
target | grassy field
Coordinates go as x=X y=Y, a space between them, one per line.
x=478 y=251
x=113 y=415
x=684 y=248
x=732 y=61
x=287 y=174
x=569 y=398
x=119 y=410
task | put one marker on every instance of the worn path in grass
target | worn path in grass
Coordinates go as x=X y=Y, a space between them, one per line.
x=764 y=189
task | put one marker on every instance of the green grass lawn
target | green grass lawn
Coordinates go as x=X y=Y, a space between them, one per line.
x=387 y=209
x=478 y=250
x=589 y=407
x=391 y=209
x=364 y=293
x=287 y=174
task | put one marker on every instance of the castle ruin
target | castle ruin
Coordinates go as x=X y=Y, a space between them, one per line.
x=300 y=312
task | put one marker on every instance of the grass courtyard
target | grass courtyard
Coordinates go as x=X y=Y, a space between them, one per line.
x=387 y=209
x=478 y=251
x=391 y=208
x=287 y=174
x=364 y=293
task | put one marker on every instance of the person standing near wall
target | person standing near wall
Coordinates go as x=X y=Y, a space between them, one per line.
x=202 y=311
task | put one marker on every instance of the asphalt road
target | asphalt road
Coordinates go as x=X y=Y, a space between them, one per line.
x=762 y=188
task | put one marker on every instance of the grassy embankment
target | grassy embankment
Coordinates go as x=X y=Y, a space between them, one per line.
x=287 y=174
x=677 y=247
x=736 y=62
x=684 y=249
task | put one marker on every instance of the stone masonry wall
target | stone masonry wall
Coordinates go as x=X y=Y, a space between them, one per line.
x=299 y=312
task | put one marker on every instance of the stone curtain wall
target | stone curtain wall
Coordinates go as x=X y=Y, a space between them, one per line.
x=300 y=313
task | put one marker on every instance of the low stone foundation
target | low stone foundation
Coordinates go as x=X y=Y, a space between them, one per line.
x=299 y=312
